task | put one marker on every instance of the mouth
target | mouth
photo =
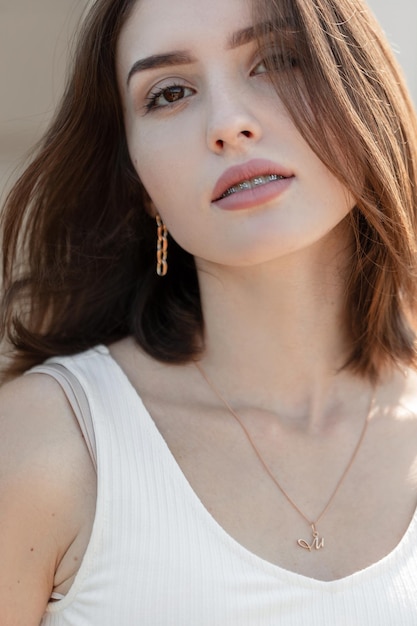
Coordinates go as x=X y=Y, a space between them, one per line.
x=251 y=183
x=248 y=177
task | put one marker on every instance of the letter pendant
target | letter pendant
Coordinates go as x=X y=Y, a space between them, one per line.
x=317 y=543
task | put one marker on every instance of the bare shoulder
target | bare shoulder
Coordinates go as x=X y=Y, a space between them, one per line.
x=45 y=474
x=127 y=352
x=36 y=421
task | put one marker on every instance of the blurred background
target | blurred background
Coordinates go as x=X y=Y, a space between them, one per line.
x=35 y=38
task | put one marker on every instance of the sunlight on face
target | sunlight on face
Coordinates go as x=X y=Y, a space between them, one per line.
x=223 y=163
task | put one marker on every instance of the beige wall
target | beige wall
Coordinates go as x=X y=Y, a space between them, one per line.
x=399 y=20
x=34 y=39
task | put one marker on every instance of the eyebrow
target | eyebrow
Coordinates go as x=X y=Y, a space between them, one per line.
x=183 y=57
x=178 y=57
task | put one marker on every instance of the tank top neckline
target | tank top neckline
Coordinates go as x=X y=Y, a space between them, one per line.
x=372 y=570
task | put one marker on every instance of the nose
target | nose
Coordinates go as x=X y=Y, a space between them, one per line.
x=232 y=126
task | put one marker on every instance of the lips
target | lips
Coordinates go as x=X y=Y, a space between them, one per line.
x=251 y=184
x=244 y=178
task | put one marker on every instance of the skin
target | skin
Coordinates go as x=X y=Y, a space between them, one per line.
x=47 y=497
x=272 y=284
x=228 y=115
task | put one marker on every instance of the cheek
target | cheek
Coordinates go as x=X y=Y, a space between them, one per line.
x=162 y=164
x=165 y=174
x=153 y=171
x=339 y=199
x=329 y=193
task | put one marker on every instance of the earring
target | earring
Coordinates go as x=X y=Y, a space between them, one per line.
x=161 y=247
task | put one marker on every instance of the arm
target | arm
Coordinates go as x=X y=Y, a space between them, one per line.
x=45 y=473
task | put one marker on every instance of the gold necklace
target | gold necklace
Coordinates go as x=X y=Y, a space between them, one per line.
x=317 y=542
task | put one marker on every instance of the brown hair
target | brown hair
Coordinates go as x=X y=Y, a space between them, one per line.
x=79 y=246
x=360 y=121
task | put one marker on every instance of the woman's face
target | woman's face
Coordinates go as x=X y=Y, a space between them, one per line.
x=224 y=165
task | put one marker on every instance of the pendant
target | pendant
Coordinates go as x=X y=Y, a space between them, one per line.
x=316 y=544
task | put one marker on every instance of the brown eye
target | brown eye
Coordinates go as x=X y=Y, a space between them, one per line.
x=274 y=63
x=172 y=94
x=168 y=95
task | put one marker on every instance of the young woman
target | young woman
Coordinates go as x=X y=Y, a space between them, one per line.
x=215 y=253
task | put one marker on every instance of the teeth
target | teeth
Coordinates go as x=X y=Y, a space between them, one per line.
x=251 y=184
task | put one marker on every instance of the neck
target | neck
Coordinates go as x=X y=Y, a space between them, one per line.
x=274 y=336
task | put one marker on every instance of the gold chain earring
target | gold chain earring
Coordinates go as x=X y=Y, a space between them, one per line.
x=161 y=247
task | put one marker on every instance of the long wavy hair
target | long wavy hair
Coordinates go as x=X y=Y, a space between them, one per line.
x=78 y=242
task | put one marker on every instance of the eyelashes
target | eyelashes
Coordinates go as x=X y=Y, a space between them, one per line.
x=276 y=63
x=168 y=95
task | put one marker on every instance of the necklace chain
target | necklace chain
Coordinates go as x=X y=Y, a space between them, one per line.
x=317 y=542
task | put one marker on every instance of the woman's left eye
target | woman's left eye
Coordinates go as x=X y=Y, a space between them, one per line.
x=260 y=68
x=168 y=95
x=275 y=63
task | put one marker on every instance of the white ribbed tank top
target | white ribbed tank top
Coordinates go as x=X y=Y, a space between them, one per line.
x=157 y=557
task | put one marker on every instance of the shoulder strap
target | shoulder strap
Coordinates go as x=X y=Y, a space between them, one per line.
x=78 y=400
